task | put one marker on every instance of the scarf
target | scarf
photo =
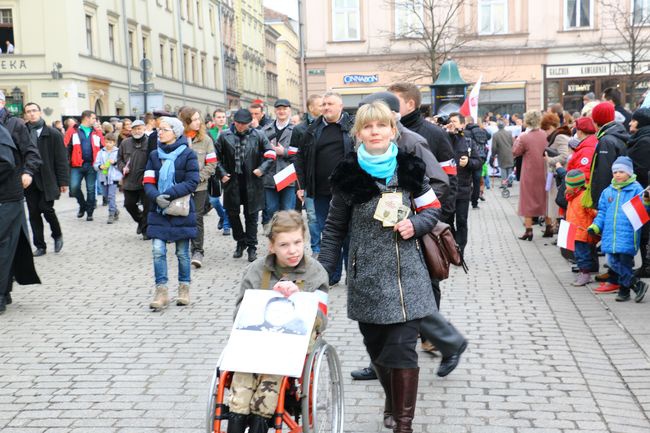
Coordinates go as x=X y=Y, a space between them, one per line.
x=34 y=127
x=167 y=172
x=622 y=185
x=191 y=134
x=240 y=148
x=379 y=166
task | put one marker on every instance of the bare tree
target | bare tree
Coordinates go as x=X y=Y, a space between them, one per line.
x=431 y=24
x=630 y=27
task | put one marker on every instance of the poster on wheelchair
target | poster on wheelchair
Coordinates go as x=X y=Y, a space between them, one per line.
x=271 y=333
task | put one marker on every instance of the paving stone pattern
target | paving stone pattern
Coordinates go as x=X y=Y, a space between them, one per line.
x=82 y=352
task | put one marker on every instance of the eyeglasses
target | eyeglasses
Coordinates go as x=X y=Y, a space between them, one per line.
x=166 y=130
x=32 y=111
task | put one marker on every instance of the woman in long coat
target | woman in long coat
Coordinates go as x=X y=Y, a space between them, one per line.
x=532 y=195
x=558 y=140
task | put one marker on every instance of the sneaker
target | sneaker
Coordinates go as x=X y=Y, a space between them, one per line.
x=80 y=213
x=640 y=288
x=197 y=259
x=226 y=232
x=622 y=297
x=481 y=197
x=111 y=219
x=89 y=218
x=117 y=215
x=220 y=224
x=582 y=279
x=607 y=288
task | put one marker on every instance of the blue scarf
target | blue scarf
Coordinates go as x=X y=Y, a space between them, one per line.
x=167 y=172
x=379 y=166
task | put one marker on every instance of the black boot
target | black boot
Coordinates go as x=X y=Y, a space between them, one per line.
x=404 y=384
x=644 y=270
x=383 y=374
x=239 y=251
x=237 y=423
x=252 y=254
x=258 y=424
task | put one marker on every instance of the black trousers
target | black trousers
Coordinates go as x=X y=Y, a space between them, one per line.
x=251 y=218
x=476 y=185
x=200 y=206
x=460 y=224
x=131 y=199
x=37 y=206
x=392 y=346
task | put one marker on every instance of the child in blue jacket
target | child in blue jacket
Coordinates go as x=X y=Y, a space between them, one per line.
x=619 y=239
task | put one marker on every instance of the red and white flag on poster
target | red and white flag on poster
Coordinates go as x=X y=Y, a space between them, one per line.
x=636 y=212
x=470 y=106
x=285 y=177
x=322 y=301
x=566 y=235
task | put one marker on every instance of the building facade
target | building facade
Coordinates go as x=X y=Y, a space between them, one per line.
x=89 y=55
x=529 y=53
x=271 y=37
x=288 y=56
x=251 y=41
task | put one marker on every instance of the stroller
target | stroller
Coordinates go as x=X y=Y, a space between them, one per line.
x=507 y=183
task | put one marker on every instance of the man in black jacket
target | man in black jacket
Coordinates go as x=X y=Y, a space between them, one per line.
x=480 y=137
x=410 y=99
x=50 y=181
x=244 y=156
x=613 y=96
x=19 y=162
x=326 y=143
x=639 y=152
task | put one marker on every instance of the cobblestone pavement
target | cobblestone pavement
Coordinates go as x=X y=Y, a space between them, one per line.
x=83 y=353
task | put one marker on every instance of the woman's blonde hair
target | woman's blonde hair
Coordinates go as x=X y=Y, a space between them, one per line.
x=286 y=221
x=374 y=111
x=532 y=119
x=186 y=116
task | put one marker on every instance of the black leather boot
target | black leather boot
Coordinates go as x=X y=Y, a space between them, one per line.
x=239 y=250
x=258 y=424
x=237 y=423
x=404 y=384
x=383 y=373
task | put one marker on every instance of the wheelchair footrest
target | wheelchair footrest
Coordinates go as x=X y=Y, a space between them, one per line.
x=225 y=412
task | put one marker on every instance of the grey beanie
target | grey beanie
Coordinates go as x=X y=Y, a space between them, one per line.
x=175 y=124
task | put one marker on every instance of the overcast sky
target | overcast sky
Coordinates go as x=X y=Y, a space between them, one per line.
x=287 y=7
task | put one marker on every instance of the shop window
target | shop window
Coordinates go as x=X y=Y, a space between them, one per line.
x=7 y=31
x=408 y=18
x=492 y=17
x=577 y=13
x=641 y=12
x=345 y=20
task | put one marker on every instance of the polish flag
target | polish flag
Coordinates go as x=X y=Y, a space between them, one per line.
x=470 y=106
x=566 y=235
x=285 y=177
x=292 y=150
x=149 y=177
x=270 y=154
x=210 y=158
x=636 y=212
x=449 y=167
x=322 y=301
x=427 y=200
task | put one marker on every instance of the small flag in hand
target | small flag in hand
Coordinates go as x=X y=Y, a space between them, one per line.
x=285 y=177
x=636 y=212
x=566 y=235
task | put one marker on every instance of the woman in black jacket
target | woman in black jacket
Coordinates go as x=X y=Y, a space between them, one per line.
x=389 y=289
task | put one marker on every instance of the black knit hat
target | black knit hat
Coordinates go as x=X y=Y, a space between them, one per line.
x=642 y=116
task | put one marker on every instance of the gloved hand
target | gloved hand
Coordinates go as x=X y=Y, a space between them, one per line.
x=593 y=230
x=163 y=201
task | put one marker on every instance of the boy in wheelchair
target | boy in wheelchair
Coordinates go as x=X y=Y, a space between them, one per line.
x=287 y=270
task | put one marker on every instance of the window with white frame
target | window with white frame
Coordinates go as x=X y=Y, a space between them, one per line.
x=89 y=34
x=641 y=12
x=409 y=15
x=577 y=13
x=492 y=17
x=346 y=21
x=111 y=40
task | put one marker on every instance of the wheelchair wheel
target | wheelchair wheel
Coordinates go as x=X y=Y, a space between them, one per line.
x=322 y=397
x=505 y=192
x=214 y=423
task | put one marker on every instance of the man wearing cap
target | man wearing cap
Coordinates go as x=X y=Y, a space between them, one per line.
x=279 y=135
x=50 y=181
x=244 y=156
x=612 y=139
x=639 y=152
x=132 y=159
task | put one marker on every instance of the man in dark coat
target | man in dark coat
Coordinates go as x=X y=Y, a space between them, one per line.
x=438 y=140
x=244 y=156
x=327 y=142
x=52 y=179
x=612 y=143
x=502 y=150
x=480 y=137
x=19 y=161
x=639 y=152
x=613 y=96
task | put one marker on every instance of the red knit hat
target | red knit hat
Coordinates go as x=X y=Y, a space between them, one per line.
x=586 y=125
x=603 y=113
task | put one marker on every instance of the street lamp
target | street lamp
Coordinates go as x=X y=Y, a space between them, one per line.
x=56 y=71
x=17 y=95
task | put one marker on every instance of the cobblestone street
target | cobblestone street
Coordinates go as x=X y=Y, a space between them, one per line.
x=83 y=353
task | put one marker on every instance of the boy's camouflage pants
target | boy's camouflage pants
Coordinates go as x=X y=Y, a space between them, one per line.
x=255 y=394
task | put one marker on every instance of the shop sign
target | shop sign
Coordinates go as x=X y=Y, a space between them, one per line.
x=360 y=79
x=49 y=94
x=625 y=68
x=316 y=72
x=577 y=71
x=13 y=65
x=579 y=88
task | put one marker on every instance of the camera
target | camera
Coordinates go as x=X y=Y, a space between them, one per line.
x=442 y=119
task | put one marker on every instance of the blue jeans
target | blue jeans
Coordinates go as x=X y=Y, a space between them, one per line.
x=77 y=174
x=312 y=222
x=215 y=202
x=322 y=207
x=584 y=261
x=278 y=200
x=109 y=191
x=160 y=261
x=622 y=265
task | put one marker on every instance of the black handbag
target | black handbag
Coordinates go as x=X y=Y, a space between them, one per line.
x=214 y=186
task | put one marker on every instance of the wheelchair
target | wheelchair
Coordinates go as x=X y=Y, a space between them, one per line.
x=312 y=403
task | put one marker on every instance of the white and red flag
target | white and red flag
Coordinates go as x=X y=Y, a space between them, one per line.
x=636 y=212
x=149 y=177
x=285 y=177
x=449 y=167
x=427 y=200
x=322 y=301
x=470 y=106
x=566 y=235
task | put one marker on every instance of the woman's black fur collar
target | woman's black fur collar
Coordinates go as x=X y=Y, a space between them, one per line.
x=357 y=186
